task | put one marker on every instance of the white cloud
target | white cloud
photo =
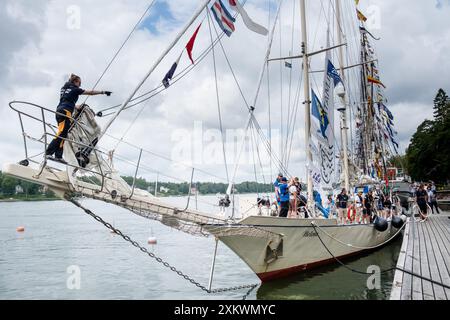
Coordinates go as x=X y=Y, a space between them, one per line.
x=40 y=51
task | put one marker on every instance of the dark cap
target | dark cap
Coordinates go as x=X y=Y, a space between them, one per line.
x=284 y=179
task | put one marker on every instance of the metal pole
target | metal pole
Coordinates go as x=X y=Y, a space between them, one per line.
x=307 y=101
x=155 y=65
x=213 y=265
x=344 y=126
x=156 y=184
x=135 y=174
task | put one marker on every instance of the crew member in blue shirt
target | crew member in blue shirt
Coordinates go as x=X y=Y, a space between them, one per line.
x=70 y=93
x=276 y=184
x=284 y=197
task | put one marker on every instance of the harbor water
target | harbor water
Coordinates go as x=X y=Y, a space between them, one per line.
x=61 y=241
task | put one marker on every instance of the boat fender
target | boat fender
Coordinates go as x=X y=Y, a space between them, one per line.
x=152 y=241
x=381 y=224
x=404 y=218
x=397 y=222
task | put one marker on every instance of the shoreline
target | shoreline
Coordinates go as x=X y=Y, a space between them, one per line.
x=29 y=200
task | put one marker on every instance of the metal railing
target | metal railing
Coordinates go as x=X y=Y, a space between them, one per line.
x=49 y=130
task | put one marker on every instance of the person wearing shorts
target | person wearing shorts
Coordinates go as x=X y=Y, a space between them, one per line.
x=342 y=203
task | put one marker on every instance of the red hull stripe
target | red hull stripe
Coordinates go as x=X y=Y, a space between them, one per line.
x=269 y=276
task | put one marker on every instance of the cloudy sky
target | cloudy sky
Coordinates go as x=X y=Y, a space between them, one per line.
x=43 y=41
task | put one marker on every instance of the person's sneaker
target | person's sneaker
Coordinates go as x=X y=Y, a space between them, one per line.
x=60 y=160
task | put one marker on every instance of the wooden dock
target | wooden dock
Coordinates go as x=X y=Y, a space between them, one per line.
x=425 y=252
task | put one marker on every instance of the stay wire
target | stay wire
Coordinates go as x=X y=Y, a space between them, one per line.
x=122 y=46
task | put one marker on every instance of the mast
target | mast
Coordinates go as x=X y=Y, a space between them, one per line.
x=344 y=125
x=307 y=101
x=265 y=67
x=155 y=65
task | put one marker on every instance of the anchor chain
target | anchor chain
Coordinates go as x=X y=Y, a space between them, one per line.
x=160 y=260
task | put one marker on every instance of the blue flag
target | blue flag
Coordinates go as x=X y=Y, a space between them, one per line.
x=169 y=75
x=320 y=114
x=333 y=73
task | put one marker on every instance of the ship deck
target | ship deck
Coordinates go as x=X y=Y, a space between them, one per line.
x=426 y=253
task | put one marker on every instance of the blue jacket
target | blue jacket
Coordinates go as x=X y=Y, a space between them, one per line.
x=284 y=192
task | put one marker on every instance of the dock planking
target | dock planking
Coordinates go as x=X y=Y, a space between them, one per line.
x=425 y=252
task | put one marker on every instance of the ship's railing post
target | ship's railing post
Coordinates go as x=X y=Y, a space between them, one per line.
x=135 y=174
x=213 y=265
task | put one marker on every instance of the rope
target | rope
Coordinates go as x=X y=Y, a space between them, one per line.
x=383 y=271
x=218 y=98
x=158 y=259
x=356 y=247
x=122 y=46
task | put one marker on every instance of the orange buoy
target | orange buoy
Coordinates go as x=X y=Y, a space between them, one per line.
x=152 y=241
x=20 y=229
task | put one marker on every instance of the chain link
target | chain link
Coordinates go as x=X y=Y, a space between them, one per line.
x=161 y=261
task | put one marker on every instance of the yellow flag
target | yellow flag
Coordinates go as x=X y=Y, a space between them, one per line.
x=361 y=16
x=375 y=81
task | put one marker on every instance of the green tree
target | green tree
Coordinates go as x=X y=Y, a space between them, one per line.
x=441 y=106
x=428 y=155
x=9 y=186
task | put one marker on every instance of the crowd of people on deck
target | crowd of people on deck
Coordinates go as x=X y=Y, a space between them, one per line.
x=358 y=208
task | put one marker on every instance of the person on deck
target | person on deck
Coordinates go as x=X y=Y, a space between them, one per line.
x=432 y=200
x=70 y=93
x=368 y=206
x=387 y=204
x=359 y=206
x=293 y=192
x=422 y=199
x=284 y=197
x=331 y=207
x=276 y=185
x=342 y=203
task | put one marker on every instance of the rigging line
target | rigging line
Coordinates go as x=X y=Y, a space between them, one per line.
x=290 y=82
x=122 y=46
x=269 y=101
x=254 y=160
x=232 y=70
x=150 y=170
x=182 y=73
x=267 y=146
x=270 y=119
x=281 y=90
x=259 y=157
x=265 y=143
x=218 y=98
x=167 y=158
x=295 y=118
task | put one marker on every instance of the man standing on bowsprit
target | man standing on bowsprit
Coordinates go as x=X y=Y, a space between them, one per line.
x=70 y=93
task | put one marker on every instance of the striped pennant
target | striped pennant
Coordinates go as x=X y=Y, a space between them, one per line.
x=223 y=17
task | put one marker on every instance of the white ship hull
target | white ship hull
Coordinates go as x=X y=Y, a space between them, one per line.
x=272 y=247
x=301 y=247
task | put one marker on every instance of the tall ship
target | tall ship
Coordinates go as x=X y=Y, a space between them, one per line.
x=333 y=93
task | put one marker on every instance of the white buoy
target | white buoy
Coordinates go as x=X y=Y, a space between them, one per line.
x=152 y=241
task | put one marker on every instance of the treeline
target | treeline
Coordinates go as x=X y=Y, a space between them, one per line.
x=9 y=185
x=178 y=189
x=428 y=155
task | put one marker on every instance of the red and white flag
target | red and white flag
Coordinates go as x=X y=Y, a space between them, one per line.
x=253 y=26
